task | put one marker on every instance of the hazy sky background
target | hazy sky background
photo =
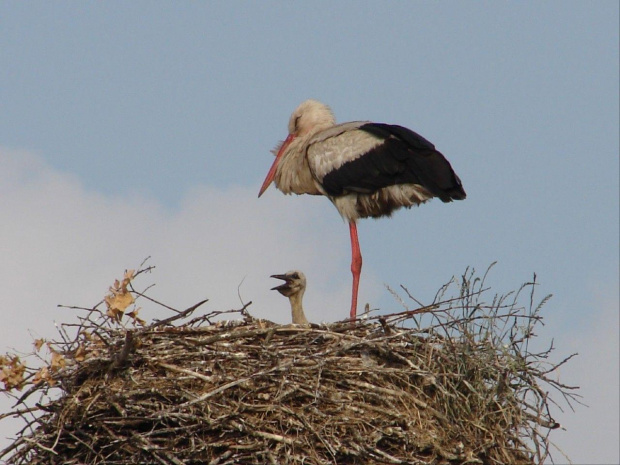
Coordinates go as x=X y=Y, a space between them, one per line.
x=142 y=129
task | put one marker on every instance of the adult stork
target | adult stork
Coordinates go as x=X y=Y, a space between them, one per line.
x=366 y=169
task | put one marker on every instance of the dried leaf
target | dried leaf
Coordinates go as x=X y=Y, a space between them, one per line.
x=12 y=372
x=38 y=343
x=119 y=297
x=43 y=375
x=115 y=314
x=58 y=361
x=134 y=315
x=80 y=354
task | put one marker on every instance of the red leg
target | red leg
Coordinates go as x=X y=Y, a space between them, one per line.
x=356 y=266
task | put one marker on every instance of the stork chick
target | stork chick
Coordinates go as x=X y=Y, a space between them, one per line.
x=293 y=287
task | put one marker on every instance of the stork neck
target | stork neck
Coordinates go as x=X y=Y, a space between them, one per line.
x=297 y=311
x=293 y=175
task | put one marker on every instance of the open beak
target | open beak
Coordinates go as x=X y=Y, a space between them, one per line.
x=272 y=171
x=285 y=285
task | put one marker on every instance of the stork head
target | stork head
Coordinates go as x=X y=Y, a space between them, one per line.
x=294 y=283
x=308 y=118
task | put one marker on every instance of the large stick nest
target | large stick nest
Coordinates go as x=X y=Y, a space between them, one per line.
x=462 y=389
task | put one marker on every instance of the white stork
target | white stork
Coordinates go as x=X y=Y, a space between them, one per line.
x=366 y=169
x=293 y=287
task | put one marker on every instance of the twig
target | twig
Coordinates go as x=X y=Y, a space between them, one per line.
x=178 y=316
x=120 y=359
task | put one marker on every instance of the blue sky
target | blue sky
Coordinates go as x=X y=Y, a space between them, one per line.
x=144 y=128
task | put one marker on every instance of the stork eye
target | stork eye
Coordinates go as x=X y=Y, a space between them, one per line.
x=295 y=275
x=296 y=123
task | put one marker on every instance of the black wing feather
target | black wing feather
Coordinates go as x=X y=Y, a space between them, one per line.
x=404 y=157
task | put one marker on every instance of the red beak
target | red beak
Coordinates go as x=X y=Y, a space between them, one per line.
x=272 y=171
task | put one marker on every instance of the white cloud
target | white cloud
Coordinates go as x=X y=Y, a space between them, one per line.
x=592 y=432
x=63 y=244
